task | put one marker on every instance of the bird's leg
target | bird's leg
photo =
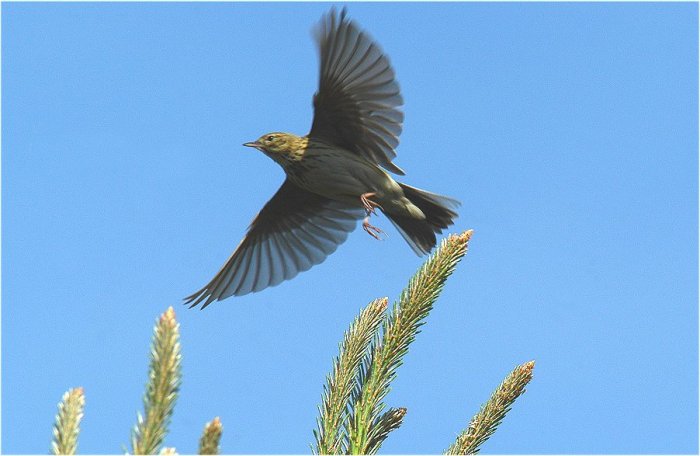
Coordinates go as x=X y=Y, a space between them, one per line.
x=370 y=207
x=368 y=203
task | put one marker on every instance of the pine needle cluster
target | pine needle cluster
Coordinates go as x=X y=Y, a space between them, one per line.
x=67 y=427
x=484 y=423
x=161 y=391
x=209 y=443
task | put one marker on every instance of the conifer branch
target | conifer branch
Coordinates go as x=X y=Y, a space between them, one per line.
x=399 y=330
x=67 y=427
x=209 y=443
x=484 y=423
x=163 y=385
x=380 y=429
x=330 y=437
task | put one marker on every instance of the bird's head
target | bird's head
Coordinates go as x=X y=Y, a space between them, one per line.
x=280 y=146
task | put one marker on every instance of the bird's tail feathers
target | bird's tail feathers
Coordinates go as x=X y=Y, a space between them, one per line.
x=439 y=213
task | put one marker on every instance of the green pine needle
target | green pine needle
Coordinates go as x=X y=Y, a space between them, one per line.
x=163 y=385
x=67 y=427
x=381 y=428
x=209 y=443
x=484 y=423
x=330 y=437
x=400 y=329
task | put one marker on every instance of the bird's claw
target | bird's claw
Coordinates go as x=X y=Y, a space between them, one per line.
x=371 y=229
x=369 y=205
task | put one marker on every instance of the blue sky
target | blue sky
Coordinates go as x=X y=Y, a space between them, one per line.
x=568 y=131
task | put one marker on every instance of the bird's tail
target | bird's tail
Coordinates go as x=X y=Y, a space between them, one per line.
x=439 y=214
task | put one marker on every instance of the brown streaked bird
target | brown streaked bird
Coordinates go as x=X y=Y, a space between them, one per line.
x=335 y=175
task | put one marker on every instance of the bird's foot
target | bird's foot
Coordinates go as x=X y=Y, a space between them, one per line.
x=371 y=229
x=369 y=205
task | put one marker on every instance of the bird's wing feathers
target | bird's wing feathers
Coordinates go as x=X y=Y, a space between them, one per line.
x=357 y=100
x=295 y=230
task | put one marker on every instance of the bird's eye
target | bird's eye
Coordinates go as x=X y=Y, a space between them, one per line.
x=269 y=138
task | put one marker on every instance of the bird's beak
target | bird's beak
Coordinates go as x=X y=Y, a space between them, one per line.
x=252 y=144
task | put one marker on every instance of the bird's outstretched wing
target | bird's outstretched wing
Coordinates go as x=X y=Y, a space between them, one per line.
x=295 y=230
x=357 y=100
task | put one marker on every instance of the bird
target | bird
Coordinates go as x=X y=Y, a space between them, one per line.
x=335 y=175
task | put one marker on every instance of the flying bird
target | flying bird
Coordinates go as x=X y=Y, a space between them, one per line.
x=335 y=175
